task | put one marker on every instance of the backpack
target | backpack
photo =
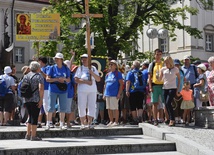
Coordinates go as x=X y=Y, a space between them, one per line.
x=25 y=88
x=3 y=87
x=139 y=83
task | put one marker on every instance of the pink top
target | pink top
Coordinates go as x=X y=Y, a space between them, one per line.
x=187 y=95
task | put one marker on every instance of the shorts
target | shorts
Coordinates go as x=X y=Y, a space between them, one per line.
x=112 y=103
x=136 y=100
x=157 y=93
x=7 y=103
x=101 y=106
x=125 y=102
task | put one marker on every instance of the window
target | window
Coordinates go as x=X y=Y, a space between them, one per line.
x=209 y=38
x=163 y=45
x=209 y=42
x=19 y=54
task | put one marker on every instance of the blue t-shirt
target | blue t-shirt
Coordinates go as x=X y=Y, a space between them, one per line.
x=55 y=72
x=112 y=83
x=45 y=70
x=130 y=77
x=181 y=80
x=190 y=73
x=198 y=89
x=71 y=86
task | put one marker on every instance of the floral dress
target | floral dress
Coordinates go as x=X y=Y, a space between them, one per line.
x=210 y=80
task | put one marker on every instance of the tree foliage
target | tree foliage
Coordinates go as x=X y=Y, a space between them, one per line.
x=119 y=27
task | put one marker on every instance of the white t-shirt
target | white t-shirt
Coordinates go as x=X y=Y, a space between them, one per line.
x=83 y=73
x=169 y=77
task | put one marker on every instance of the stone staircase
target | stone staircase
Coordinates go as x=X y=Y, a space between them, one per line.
x=101 y=140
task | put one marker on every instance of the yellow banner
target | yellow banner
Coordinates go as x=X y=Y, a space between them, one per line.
x=37 y=27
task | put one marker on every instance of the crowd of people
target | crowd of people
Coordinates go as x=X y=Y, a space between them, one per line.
x=161 y=91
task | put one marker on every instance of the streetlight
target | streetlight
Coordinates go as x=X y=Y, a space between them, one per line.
x=154 y=33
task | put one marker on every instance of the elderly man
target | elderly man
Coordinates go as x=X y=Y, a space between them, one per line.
x=136 y=81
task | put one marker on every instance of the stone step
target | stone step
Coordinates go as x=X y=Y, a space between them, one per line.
x=87 y=145
x=7 y=132
x=152 y=153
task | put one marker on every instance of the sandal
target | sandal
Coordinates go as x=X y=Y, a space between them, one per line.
x=171 y=123
x=35 y=139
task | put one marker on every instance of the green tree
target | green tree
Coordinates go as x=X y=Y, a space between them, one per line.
x=119 y=27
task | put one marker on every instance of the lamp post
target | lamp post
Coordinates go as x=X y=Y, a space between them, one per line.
x=153 y=33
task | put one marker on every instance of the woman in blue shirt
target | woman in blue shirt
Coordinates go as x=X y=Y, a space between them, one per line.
x=57 y=74
x=113 y=89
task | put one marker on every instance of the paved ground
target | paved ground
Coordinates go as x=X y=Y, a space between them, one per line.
x=200 y=135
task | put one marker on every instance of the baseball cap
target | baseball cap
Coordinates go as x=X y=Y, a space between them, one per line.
x=202 y=67
x=177 y=62
x=7 y=70
x=186 y=57
x=84 y=56
x=197 y=62
x=58 y=55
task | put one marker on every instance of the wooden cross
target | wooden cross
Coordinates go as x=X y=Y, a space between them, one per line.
x=87 y=16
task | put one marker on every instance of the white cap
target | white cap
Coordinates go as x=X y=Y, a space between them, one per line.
x=84 y=56
x=58 y=55
x=7 y=70
x=68 y=63
x=202 y=67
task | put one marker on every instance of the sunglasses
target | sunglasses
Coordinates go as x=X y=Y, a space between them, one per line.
x=111 y=64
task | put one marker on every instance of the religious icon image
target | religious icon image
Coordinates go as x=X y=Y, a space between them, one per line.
x=23 y=23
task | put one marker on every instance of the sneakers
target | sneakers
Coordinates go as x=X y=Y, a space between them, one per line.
x=35 y=139
x=95 y=122
x=83 y=127
x=47 y=127
x=114 y=124
x=109 y=124
x=39 y=125
x=91 y=126
x=63 y=128
x=27 y=137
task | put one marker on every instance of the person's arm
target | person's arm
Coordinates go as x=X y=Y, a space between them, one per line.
x=128 y=83
x=49 y=79
x=81 y=81
x=161 y=75
x=96 y=77
x=179 y=80
x=120 y=88
x=41 y=94
x=72 y=58
x=201 y=83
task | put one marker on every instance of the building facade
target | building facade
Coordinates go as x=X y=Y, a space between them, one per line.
x=20 y=53
x=185 y=44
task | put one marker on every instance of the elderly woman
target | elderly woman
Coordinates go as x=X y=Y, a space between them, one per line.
x=59 y=76
x=200 y=84
x=112 y=92
x=210 y=81
x=87 y=91
x=34 y=103
x=169 y=74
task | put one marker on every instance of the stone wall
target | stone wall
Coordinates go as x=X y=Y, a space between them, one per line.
x=204 y=117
